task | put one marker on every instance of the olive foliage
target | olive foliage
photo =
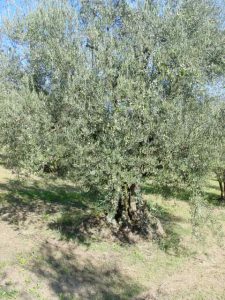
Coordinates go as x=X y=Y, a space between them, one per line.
x=112 y=93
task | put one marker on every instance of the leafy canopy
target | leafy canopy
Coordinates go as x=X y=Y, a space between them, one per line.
x=111 y=93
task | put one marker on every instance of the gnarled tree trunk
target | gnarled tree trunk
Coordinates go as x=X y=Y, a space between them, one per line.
x=132 y=212
x=220 y=175
x=128 y=204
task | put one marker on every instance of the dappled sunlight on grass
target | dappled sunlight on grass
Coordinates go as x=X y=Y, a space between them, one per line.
x=64 y=207
x=20 y=198
x=68 y=272
x=74 y=260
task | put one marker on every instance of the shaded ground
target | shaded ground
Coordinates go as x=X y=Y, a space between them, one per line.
x=51 y=269
x=41 y=261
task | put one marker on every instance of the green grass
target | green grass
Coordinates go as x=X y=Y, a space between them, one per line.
x=7 y=294
x=67 y=297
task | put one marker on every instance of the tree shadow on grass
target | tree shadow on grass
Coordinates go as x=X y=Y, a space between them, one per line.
x=81 y=275
x=171 y=223
x=68 y=274
x=3 y=160
x=181 y=194
x=67 y=209
x=22 y=201
x=167 y=192
x=171 y=243
x=62 y=195
x=214 y=199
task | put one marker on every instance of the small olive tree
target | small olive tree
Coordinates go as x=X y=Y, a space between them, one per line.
x=111 y=93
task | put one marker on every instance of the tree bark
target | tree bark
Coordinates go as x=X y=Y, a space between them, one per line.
x=221 y=189
x=132 y=213
x=127 y=204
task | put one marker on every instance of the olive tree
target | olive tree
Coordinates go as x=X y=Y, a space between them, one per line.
x=112 y=93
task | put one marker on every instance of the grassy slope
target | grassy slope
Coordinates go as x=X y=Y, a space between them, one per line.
x=39 y=260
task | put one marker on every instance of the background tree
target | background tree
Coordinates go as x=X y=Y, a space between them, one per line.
x=217 y=157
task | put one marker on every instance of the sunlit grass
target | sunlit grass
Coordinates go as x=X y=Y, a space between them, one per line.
x=7 y=294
